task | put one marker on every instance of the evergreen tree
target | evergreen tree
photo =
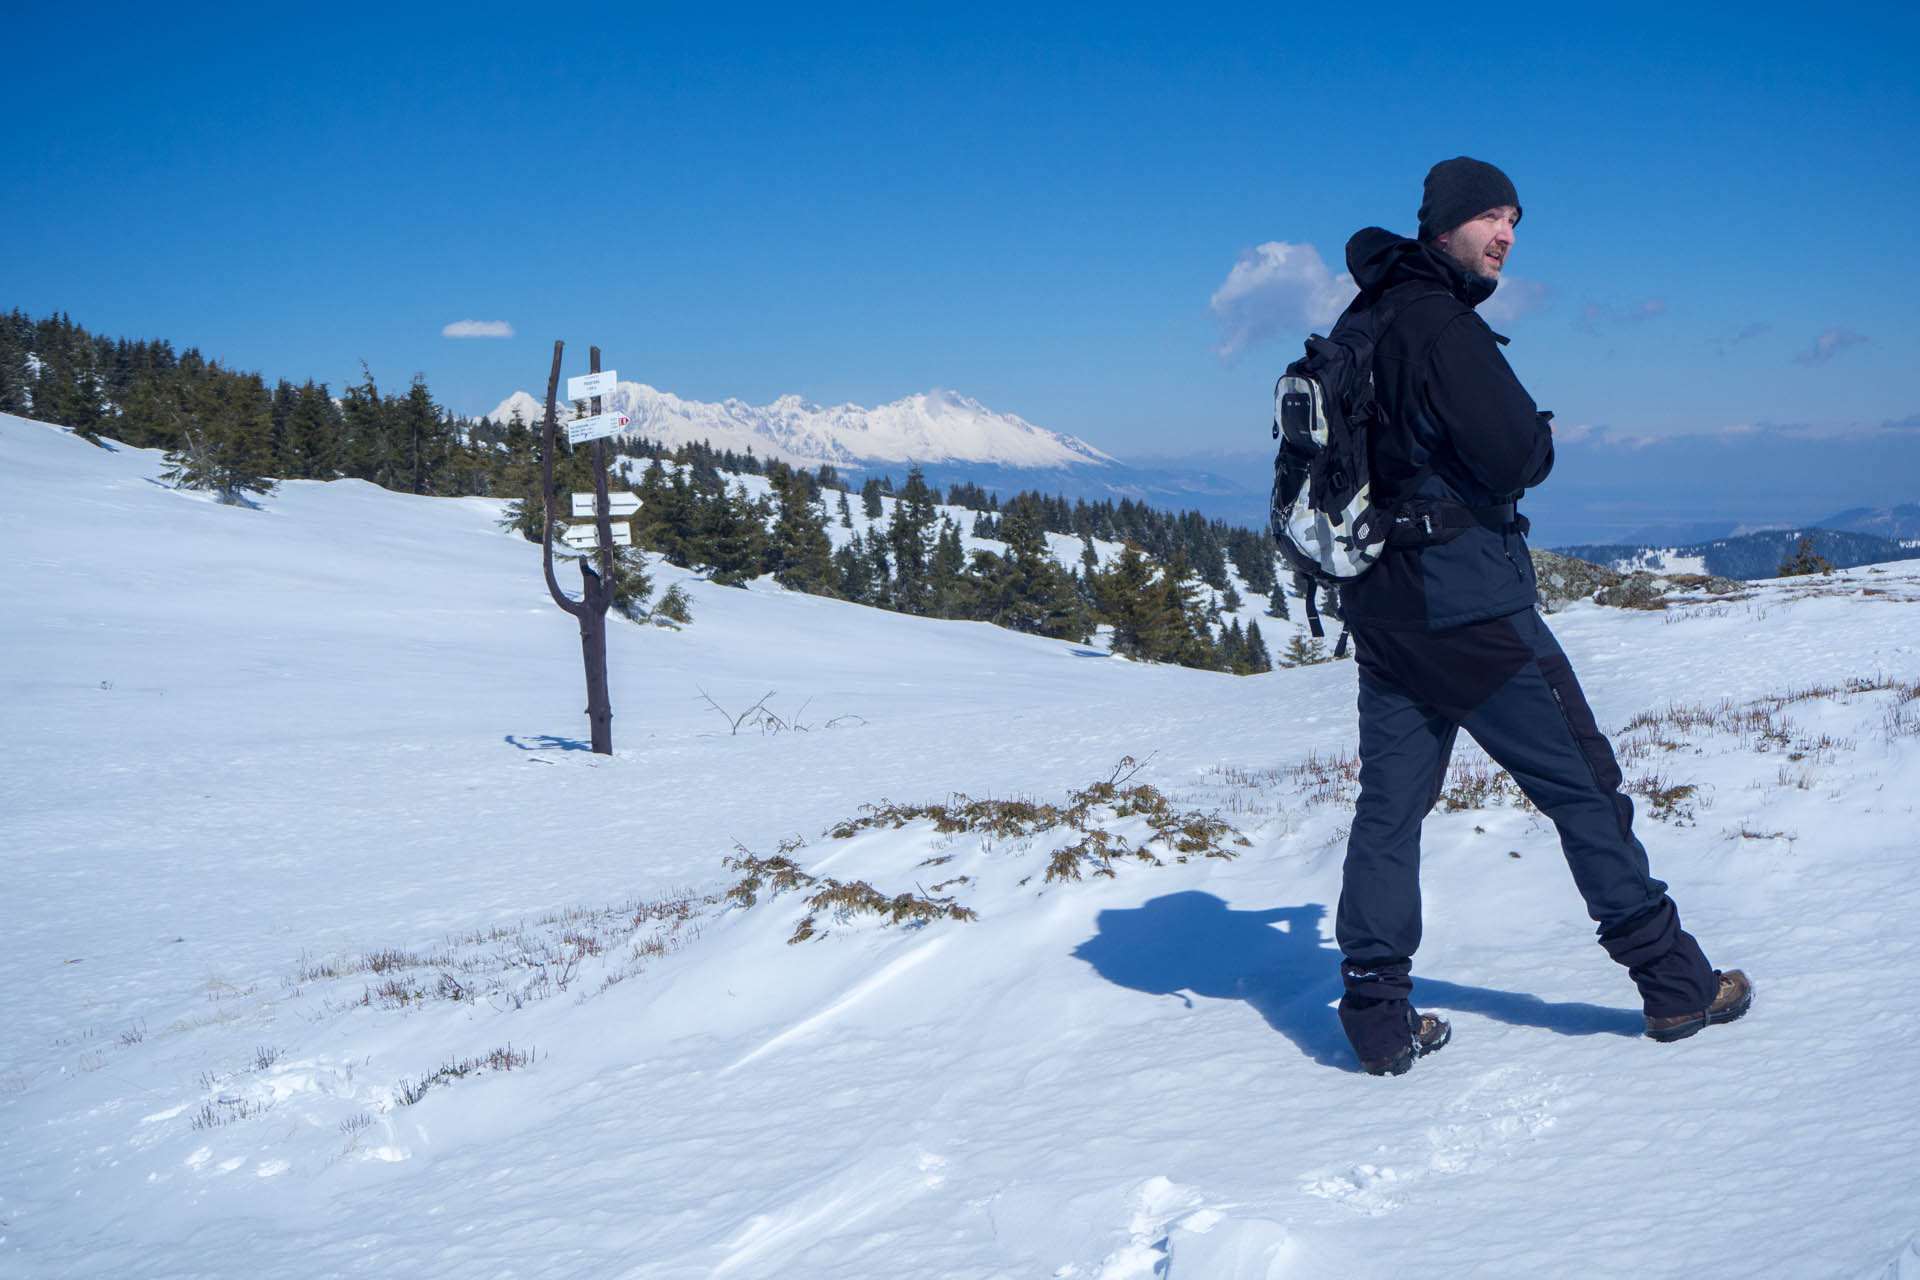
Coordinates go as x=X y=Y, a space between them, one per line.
x=421 y=440
x=1189 y=643
x=310 y=447
x=366 y=451
x=846 y=514
x=1277 y=601
x=226 y=444
x=1143 y=626
x=1804 y=560
x=154 y=410
x=1258 y=659
x=632 y=584
x=1304 y=650
x=731 y=537
x=949 y=590
x=668 y=518
x=870 y=498
x=910 y=537
x=799 y=554
x=674 y=607
x=1027 y=589
x=855 y=571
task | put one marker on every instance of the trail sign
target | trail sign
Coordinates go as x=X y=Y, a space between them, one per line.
x=600 y=424
x=596 y=583
x=589 y=385
x=587 y=537
x=618 y=504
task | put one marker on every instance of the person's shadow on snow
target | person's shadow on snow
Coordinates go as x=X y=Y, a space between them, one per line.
x=1193 y=942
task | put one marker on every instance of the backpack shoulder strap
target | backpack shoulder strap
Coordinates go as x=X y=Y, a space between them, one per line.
x=1392 y=303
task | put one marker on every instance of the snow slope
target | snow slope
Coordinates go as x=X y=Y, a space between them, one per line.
x=294 y=828
x=930 y=428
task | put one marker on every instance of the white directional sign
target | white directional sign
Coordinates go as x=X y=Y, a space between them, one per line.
x=589 y=385
x=618 y=504
x=587 y=538
x=600 y=424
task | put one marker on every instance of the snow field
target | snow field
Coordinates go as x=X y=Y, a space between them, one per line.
x=256 y=755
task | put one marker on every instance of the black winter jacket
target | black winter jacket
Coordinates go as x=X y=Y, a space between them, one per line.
x=1454 y=409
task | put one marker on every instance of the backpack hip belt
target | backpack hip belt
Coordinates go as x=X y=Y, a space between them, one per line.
x=1427 y=524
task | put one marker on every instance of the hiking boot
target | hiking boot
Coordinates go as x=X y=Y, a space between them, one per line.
x=1429 y=1033
x=1735 y=994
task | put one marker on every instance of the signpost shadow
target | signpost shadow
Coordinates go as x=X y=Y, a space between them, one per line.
x=547 y=742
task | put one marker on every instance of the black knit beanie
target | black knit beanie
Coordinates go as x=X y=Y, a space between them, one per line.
x=1459 y=189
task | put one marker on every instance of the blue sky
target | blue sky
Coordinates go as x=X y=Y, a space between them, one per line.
x=1038 y=206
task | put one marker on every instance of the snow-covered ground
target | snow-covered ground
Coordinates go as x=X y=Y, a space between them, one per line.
x=329 y=951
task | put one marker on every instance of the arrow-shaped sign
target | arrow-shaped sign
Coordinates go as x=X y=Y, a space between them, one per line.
x=586 y=537
x=618 y=503
x=600 y=424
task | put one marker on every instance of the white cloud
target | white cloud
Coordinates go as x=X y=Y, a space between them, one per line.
x=1597 y=316
x=1514 y=298
x=477 y=329
x=1830 y=344
x=1277 y=290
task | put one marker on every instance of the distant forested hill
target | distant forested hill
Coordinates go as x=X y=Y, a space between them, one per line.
x=1751 y=555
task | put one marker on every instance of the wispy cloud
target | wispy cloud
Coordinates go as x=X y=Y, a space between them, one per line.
x=1753 y=330
x=1514 y=298
x=477 y=329
x=1828 y=345
x=1277 y=290
x=1596 y=316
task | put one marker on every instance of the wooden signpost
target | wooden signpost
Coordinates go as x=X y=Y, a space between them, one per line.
x=601 y=536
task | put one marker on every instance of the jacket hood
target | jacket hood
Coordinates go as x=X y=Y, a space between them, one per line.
x=1378 y=259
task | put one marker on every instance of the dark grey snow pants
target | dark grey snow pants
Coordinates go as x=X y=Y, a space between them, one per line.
x=1507 y=683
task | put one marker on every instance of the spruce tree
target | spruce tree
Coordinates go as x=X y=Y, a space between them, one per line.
x=731 y=537
x=910 y=538
x=365 y=448
x=422 y=441
x=674 y=608
x=1304 y=650
x=1027 y=589
x=1804 y=560
x=226 y=444
x=311 y=445
x=1258 y=659
x=1131 y=602
x=950 y=592
x=1232 y=650
x=799 y=554
x=632 y=584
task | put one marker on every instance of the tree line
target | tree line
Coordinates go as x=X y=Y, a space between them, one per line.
x=225 y=430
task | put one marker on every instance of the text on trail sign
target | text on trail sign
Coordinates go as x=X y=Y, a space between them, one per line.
x=618 y=504
x=589 y=385
x=600 y=424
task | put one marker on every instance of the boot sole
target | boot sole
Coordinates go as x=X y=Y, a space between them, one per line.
x=1399 y=1065
x=1695 y=1026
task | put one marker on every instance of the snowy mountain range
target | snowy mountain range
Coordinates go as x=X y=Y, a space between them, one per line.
x=931 y=428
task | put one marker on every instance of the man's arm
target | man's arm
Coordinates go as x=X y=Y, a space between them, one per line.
x=1491 y=421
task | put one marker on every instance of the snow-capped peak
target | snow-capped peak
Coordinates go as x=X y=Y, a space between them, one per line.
x=931 y=427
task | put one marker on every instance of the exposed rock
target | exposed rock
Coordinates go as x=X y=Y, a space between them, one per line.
x=1564 y=580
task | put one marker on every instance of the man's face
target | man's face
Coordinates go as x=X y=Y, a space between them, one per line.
x=1480 y=245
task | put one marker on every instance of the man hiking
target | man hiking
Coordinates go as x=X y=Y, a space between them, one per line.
x=1447 y=636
